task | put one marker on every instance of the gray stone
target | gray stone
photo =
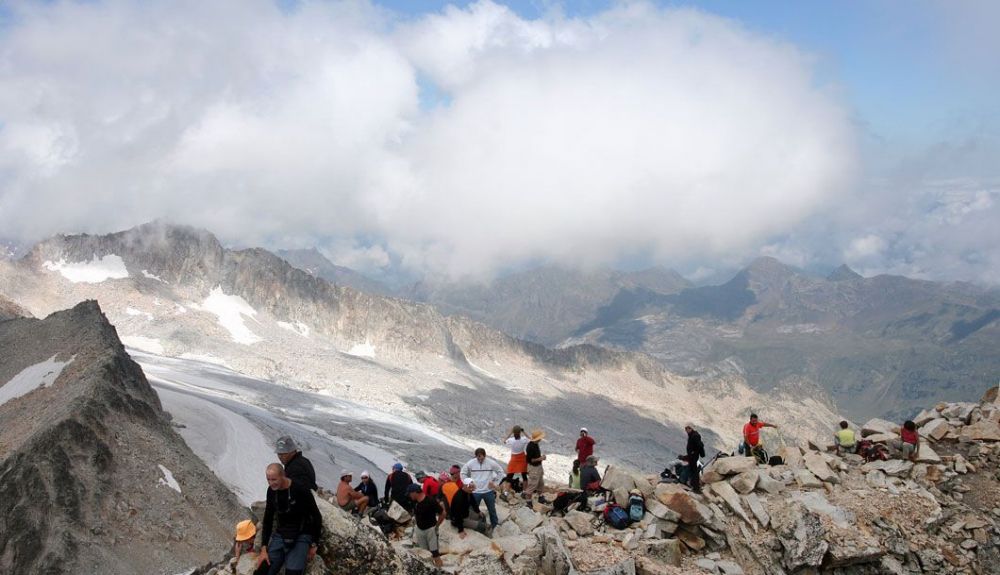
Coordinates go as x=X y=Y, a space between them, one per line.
x=706 y=564
x=802 y=536
x=691 y=510
x=891 y=467
x=745 y=482
x=757 y=508
x=580 y=522
x=732 y=465
x=728 y=494
x=806 y=479
x=876 y=425
x=526 y=519
x=769 y=484
x=667 y=551
x=661 y=511
x=729 y=568
x=816 y=464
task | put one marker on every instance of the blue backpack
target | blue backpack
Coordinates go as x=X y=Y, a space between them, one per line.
x=636 y=508
x=615 y=516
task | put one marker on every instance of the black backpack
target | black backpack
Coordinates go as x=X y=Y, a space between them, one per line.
x=561 y=502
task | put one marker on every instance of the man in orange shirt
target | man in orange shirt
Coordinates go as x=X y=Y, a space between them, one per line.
x=751 y=434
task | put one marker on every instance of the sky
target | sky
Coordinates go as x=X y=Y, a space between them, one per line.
x=462 y=140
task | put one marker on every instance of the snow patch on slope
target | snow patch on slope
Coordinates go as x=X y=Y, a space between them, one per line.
x=146 y=274
x=134 y=312
x=33 y=377
x=168 y=479
x=93 y=272
x=297 y=327
x=365 y=349
x=230 y=310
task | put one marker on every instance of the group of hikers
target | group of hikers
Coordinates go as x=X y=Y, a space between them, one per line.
x=292 y=521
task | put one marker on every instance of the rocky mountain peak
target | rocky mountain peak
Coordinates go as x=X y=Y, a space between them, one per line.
x=844 y=273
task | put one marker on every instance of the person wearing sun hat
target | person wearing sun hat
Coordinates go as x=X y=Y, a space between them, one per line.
x=536 y=474
x=246 y=531
x=368 y=488
x=347 y=498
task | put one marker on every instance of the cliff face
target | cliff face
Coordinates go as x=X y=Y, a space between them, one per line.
x=93 y=479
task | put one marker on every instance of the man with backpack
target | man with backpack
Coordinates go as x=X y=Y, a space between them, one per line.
x=395 y=487
x=299 y=523
x=751 y=434
x=695 y=450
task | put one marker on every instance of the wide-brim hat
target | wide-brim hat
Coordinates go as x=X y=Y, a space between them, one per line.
x=537 y=435
x=246 y=530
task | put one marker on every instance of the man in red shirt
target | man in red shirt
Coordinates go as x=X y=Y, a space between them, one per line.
x=584 y=445
x=431 y=487
x=751 y=433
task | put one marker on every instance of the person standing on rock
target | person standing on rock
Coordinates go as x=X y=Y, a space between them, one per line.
x=751 y=434
x=347 y=498
x=395 y=487
x=368 y=488
x=516 y=442
x=574 y=475
x=428 y=514
x=584 y=445
x=695 y=450
x=297 y=467
x=484 y=474
x=292 y=542
x=536 y=475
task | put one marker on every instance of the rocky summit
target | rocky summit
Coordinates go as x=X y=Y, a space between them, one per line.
x=93 y=478
x=820 y=512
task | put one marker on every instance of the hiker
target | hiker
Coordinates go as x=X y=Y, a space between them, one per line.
x=846 y=440
x=299 y=523
x=428 y=483
x=395 y=487
x=536 y=475
x=368 y=488
x=590 y=479
x=297 y=467
x=574 y=475
x=695 y=450
x=428 y=514
x=516 y=442
x=245 y=533
x=461 y=513
x=910 y=440
x=483 y=474
x=448 y=488
x=751 y=434
x=348 y=498
x=584 y=445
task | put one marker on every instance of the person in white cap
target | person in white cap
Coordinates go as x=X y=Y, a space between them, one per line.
x=368 y=488
x=347 y=498
x=584 y=445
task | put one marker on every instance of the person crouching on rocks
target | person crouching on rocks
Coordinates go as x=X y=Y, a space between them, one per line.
x=462 y=514
x=428 y=513
x=293 y=542
x=246 y=531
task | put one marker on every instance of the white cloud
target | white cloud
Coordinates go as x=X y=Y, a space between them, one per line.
x=637 y=130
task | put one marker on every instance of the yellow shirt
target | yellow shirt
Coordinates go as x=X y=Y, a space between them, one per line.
x=845 y=437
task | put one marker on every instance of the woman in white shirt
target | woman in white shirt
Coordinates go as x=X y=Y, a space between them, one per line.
x=517 y=442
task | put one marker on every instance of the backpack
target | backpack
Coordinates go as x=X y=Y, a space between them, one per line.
x=636 y=508
x=616 y=516
x=561 y=502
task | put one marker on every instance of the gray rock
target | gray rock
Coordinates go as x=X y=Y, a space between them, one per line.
x=666 y=551
x=729 y=568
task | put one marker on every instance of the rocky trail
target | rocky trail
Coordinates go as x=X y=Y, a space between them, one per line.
x=818 y=512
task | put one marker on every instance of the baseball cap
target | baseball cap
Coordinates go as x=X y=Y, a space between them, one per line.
x=285 y=444
x=413 y=488
x=397 y=466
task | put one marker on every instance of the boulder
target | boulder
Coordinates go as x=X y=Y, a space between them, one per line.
x=728 y=568
x=982 y=430
x=816 y=464
x=876 y=478
x=474 y=542
x=791 y=455
x=728 y=494
x=802 y=537
x=580 y=522
x=757 y=508
x=934 y=429
x=711 y=476
x=891 y=467
x=650 y=566
x=690 y=539
x=882 y=437
x=515 y=546
x=927 y=455
x=726 y=466
x=853 y=548
x=507 y=529
x=644 y=485
x=745 y=482
x=805 y=478
x=876 y=425
x=691 y=510
x=616 y=478
x=526 y=518
x=661 y=511
x=925 y=417
x=667 y=551
x=769 y=484
x=961 y=465
x=822 y=445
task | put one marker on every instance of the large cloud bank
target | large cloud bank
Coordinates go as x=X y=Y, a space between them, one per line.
x=461 y=142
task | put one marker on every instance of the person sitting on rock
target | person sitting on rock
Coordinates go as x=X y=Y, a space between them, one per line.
x=347 y=498
x=246 y=531
x=574 y=475
x=536 y=474
x=462 y=515
x=368 y=488
x=428 y=513
x=295 y=538
x=751 y=434
x=449 y=487
x=297 y=467
x=483 y=474
x=395 y=487
x=910 y=440
x=518 y=464
x=846 y=440
x=584 y=445
x=590 y=480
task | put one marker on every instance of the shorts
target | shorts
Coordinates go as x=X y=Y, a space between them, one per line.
x=426 y=539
